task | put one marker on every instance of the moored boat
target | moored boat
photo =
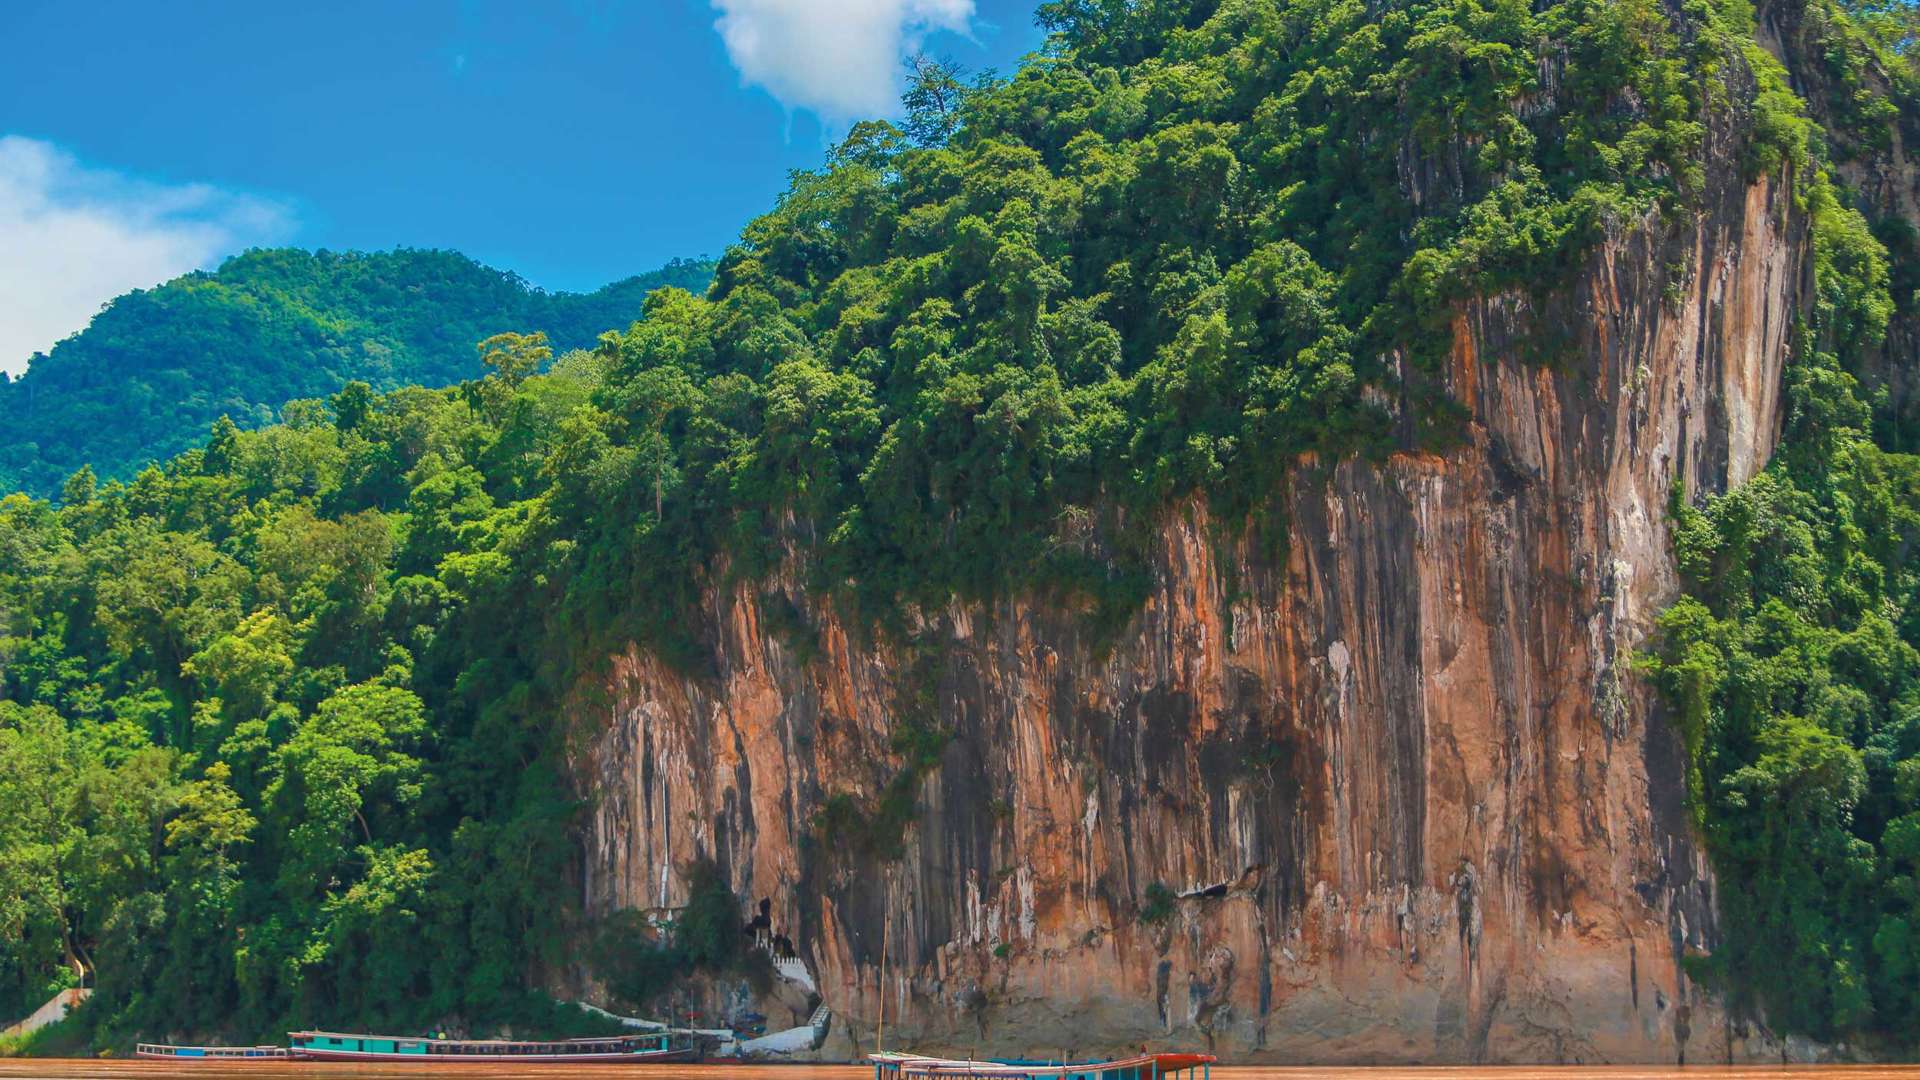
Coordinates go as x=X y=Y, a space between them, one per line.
x=337 y=1046
x=890 y=1065
x=208 y=1053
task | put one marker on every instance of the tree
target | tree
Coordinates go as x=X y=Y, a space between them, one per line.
x=652 y=399
x=348 y=764
x=244 y=670
x=510 y=358
x=513 y=357
x=79 y=488
x=351 y=405
x=220 y=447
x=212 y=818
x=39 y=773
x=937 y=90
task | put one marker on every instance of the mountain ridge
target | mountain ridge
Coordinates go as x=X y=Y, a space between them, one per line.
x=148 y=375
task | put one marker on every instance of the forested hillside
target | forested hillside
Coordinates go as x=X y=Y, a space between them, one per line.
x=283 y=713
x=156 y=366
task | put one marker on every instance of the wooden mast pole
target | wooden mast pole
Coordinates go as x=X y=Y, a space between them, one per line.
x=880 y=1032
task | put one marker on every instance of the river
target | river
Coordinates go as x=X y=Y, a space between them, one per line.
x=49 y=1069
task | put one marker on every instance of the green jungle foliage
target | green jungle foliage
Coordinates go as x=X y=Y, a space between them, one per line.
x=1792 y=661
x=286 y=711
x=640 y=962
x=158 y=365
x=272 y=741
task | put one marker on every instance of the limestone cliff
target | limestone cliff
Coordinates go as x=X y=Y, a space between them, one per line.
x=1884 y=171
x=1413 y=801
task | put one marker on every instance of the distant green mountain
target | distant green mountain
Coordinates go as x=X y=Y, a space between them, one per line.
x=157 y=366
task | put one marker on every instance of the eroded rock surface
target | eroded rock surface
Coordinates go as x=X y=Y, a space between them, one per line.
x=1414 y=801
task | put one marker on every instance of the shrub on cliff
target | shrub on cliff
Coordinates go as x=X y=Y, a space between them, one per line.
x=639 y=961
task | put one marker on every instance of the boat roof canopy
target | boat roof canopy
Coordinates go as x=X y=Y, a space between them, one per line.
x=479 y=1042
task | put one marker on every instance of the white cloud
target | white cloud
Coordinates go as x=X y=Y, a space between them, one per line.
x=73 y=237
x=838 y=58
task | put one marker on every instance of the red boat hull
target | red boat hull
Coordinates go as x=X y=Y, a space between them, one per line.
x=647 y=1057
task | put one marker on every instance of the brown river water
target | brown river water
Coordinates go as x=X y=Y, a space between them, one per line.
x=283 y=1070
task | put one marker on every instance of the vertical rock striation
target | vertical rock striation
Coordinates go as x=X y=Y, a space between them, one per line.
x=1410 y=796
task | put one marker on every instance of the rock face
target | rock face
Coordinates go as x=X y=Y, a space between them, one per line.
x=1884 y=174
x=1410 y=798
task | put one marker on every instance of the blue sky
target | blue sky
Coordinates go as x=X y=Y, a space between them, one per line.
x=574 y=142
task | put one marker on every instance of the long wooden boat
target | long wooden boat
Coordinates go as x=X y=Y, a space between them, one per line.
x=654 y=1047
x=896 y=1066
x=208 y=1053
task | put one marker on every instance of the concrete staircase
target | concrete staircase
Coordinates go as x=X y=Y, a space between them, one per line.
x=796 y=1040
x=794 y=970
x=54 y=1011
x=773 y=1045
